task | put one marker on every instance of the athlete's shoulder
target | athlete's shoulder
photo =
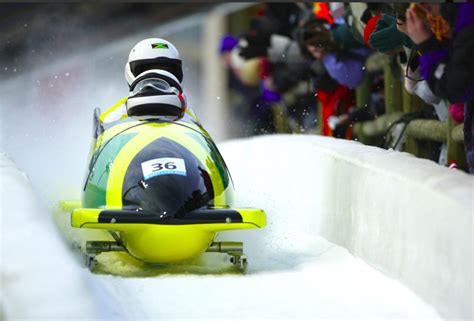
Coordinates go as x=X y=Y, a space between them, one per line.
x=115 y=112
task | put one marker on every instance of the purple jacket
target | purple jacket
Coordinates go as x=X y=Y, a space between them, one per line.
x=348 y=72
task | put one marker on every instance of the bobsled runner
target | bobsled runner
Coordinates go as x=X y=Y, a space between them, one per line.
x=162 y=190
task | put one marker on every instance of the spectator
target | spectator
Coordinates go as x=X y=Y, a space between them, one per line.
x=363 y=113
x=297 y=51
x=443 y=34
x=227 y=44
x=243 y=78
x=343 y=65
x=335 y=70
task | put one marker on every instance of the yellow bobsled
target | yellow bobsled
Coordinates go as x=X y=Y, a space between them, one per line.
x=162 y=190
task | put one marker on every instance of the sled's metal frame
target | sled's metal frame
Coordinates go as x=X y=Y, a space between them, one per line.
x=233 y=249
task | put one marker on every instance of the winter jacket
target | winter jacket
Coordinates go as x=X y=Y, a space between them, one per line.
x=469 y=135
x=284 y=50
x=341 y=99
x=449 y=68
x=346 y=71
x=320 y=78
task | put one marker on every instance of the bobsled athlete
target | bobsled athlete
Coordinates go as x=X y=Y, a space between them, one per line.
x=154 y=75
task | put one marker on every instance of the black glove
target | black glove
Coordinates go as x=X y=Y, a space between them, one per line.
x=253 y=45
x=286 y=76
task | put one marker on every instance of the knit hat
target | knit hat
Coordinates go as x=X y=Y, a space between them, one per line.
x=457 y=112
x=322 y=11
x=227 y=43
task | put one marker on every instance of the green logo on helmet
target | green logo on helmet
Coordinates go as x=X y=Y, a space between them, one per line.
x=159 y=45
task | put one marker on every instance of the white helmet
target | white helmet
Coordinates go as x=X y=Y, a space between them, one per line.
x=153 y=53
x=158 y=94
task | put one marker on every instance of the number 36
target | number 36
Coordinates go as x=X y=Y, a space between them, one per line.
x=159 y=166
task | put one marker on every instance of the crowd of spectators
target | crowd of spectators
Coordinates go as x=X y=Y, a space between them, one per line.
x=294 y=58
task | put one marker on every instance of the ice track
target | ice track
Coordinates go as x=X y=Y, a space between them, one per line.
x=294 y=274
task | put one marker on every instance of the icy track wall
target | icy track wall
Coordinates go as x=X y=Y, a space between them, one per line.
x=408 y=217
x=36 y=269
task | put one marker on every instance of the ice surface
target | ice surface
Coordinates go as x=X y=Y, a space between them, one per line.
x=409 y=217
x=294 y=274
x=39 y=277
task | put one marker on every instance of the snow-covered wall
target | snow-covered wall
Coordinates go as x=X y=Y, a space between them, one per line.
x=37 y=271
x=406 y=216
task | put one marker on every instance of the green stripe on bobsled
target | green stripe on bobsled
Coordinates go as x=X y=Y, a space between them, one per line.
x=95 y=190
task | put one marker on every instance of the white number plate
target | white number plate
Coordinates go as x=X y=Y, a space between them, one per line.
x=163 y=166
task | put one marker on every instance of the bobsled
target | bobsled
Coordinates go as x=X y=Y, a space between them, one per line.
x=162 y=190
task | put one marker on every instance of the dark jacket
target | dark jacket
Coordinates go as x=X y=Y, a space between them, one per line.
x=449 y=67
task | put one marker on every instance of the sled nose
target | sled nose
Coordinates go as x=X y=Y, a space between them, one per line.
x=237 y=219
x=208 y=218
x=255 y=216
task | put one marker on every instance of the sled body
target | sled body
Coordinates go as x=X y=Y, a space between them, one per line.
x=161 y=188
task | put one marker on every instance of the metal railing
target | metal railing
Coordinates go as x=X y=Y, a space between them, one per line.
x=419 y=132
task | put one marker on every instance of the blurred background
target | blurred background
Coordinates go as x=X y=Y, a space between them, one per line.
x=344 y=70
x=60 y=61
x=249 y=69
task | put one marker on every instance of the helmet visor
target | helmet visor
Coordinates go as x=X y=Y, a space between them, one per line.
x=153 y=85
x=171 y=65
